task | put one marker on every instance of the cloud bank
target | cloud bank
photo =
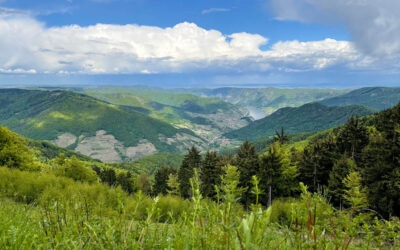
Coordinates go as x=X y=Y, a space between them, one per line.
x=373 y=24
x=28 y=46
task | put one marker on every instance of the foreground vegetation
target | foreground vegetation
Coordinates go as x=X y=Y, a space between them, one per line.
x=40 y=210
x=339 y=189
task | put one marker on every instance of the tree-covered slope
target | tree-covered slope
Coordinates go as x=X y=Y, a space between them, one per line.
x=378 y=98
x=89 y=126
x=307 y=118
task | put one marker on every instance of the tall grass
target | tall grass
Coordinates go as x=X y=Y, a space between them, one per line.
x=42 y=211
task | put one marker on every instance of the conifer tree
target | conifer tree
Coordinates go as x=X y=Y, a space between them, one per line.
x=161 y=180
x=191 y=161
x=210 y=173
x=352 y=138
x=336 y=187
x=317 y=162
x=126 y=181
x=247 y=163
x=270 y=170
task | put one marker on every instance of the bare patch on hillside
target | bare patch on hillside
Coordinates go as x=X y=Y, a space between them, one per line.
x=106 y=148
x=102 y=147
x=144 y=148
x=65 y=140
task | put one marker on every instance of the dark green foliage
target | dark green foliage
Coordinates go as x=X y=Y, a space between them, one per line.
x=381 y=163
x=270 y=171
x=161 y=177
x=336 y=188
x=352 y=138
x=210 y=173
x=126 y=182
x=186 y=171
x=317 y=161
x=311 y=117
x=247 y=163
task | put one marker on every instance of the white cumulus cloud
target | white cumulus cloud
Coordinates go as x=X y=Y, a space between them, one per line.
x=27 y=45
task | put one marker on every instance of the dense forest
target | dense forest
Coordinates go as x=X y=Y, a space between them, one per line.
x=336 y=189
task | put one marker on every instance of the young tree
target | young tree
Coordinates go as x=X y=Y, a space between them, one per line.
x=161 y=180
x=210 y=173
x=173 y=184
x=191 y=161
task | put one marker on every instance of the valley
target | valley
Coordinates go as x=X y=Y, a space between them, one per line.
x=122 y=124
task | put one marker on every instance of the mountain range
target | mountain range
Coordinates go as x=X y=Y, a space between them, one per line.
x=122 y=124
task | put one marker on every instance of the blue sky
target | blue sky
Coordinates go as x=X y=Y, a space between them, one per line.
x=288 y=43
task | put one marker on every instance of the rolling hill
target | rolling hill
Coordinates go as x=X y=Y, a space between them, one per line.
x=89 y=126
x=310 y=117
x=378 y=98
x=265 y=101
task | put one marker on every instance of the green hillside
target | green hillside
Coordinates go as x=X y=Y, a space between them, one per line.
x=208 y=118
x=378 y=98
x=86 y=124
x=266 y=100
x=307 y=118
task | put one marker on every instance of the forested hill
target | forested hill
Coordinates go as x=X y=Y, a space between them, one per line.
x=378 y=98
x=89 y=126
x=307 y=118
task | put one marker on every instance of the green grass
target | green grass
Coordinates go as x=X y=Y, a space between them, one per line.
x=41 y=211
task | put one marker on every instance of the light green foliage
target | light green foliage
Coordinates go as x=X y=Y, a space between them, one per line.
x=74 y=169
x=355 y=194
x=173 y=184
x=14 y=153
